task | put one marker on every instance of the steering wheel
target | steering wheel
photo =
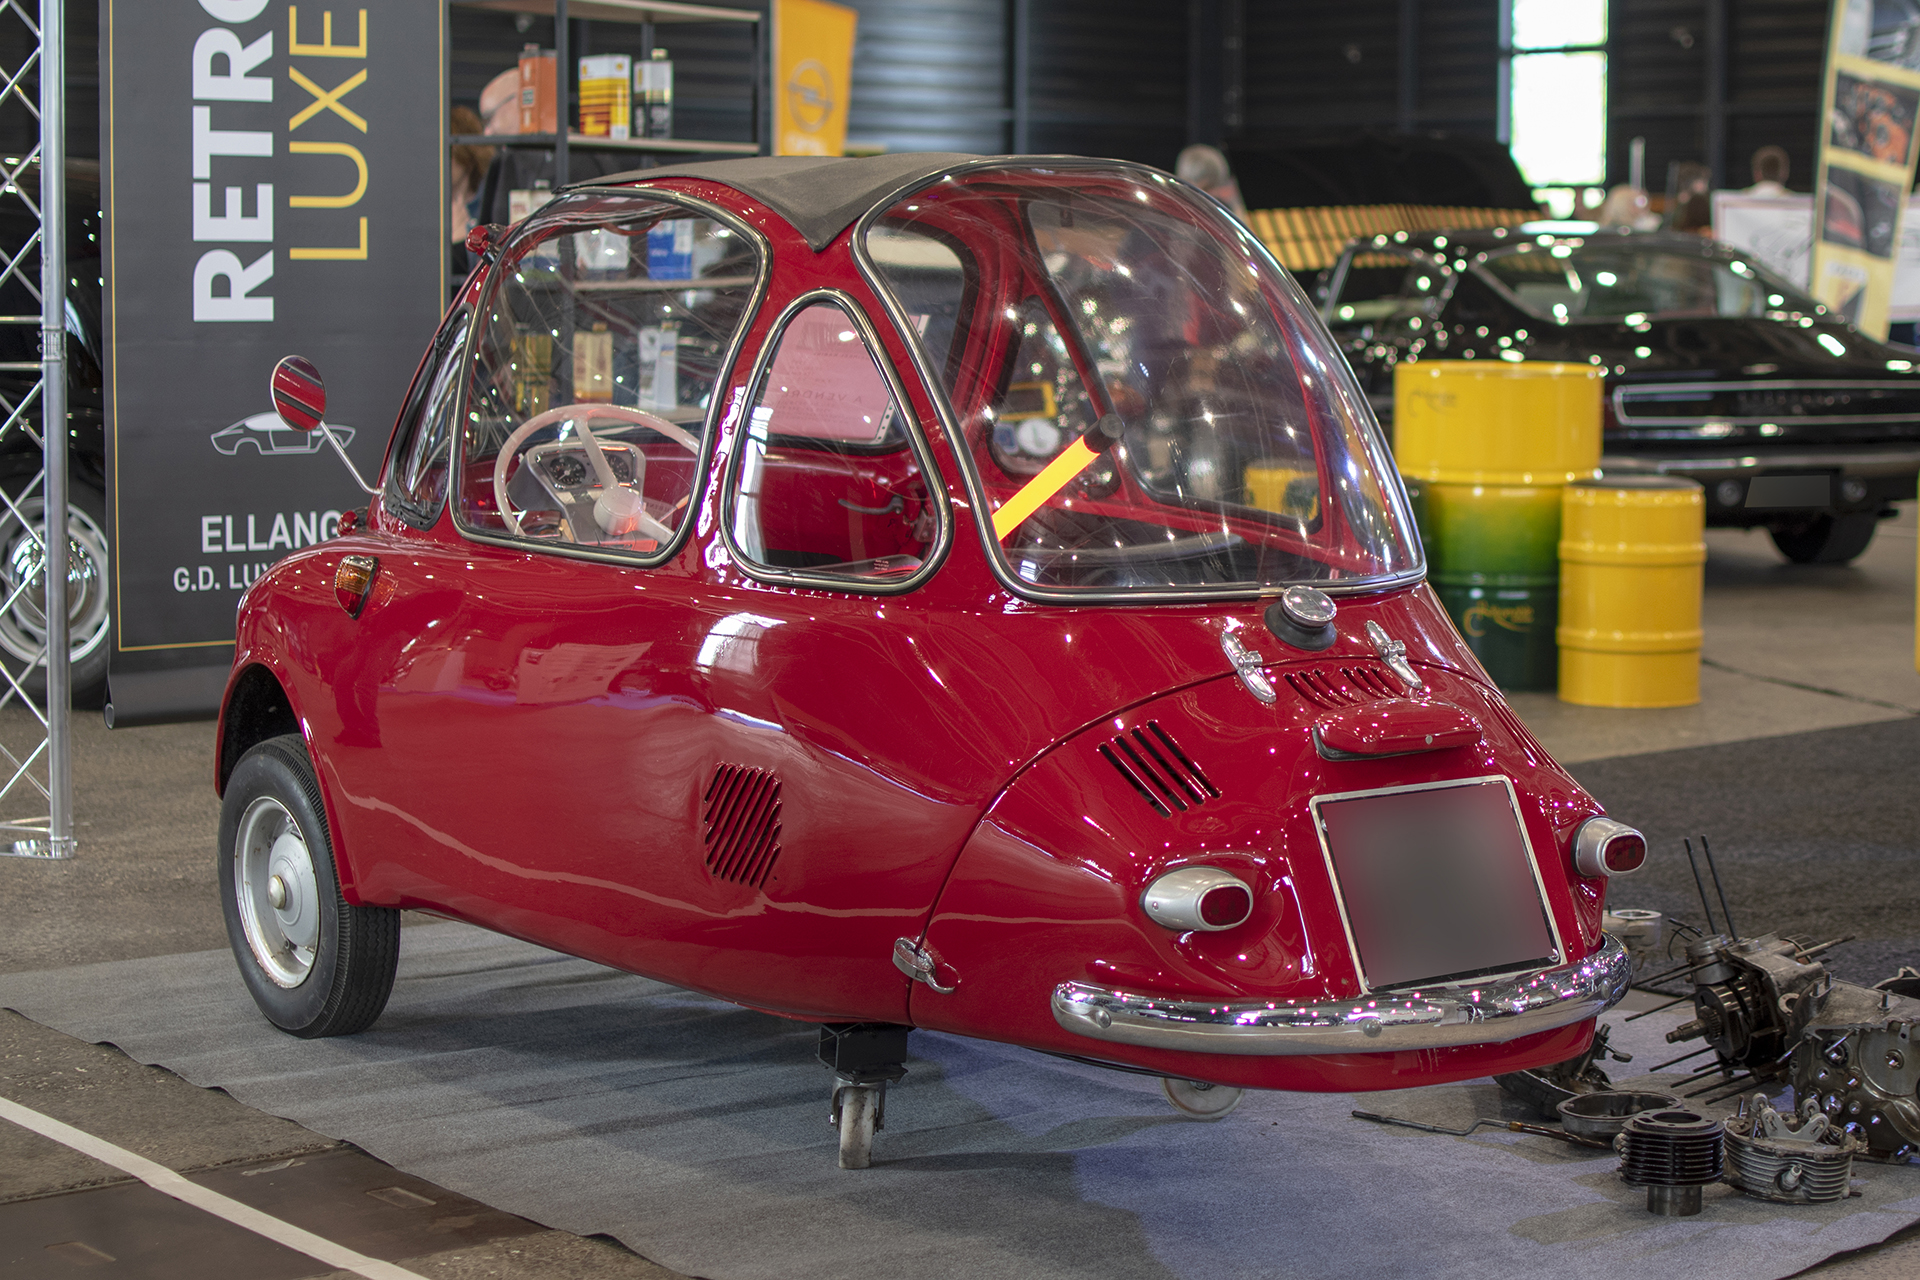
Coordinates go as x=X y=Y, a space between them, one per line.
x=618 y=508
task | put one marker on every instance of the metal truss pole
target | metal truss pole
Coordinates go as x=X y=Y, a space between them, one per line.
x=53 y=398
x=51 y=837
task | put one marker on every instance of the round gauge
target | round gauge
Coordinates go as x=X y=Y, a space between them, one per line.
x=621 y=464
x=1038 y=437
x=568 y=471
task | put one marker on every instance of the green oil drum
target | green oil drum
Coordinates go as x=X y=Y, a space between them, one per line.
x=1494 y=559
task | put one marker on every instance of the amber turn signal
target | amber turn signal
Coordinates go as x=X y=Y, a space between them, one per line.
x=353 y=580
x=1603 y=847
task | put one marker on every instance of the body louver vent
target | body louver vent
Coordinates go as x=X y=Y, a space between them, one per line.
x=1344 y=686
x=1155 y=766
x=743 y=824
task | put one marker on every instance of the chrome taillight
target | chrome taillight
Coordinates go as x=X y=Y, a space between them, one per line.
x=1603 y=847
x=1204 y=898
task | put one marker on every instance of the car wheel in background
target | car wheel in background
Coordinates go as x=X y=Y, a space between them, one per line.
x=315 y=964
x=1824 y=539
x=23 y=591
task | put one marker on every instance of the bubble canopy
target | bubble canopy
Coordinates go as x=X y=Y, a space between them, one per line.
x=1144 y=402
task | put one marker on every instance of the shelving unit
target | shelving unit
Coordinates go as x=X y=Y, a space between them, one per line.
x=646 y=14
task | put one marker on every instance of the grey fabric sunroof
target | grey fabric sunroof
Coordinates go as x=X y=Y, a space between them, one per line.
x=820 y=195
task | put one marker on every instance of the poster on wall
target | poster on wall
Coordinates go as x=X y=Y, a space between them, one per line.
x=812 y=72
x=1778 y=230
x=1869 y=130
x=273 y=184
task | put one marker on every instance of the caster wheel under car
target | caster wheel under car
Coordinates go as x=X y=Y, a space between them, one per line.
x=315 y=965
x=1198 y=1100
x=858 y=1110
x=23 y=591
x=1825 y=539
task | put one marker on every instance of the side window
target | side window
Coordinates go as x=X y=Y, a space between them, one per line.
x=829 y=480
x=417 y=481
x=593 y=374
x=1386 y=285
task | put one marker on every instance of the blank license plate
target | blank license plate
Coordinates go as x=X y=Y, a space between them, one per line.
x=1790 y=491
x=1436 y=884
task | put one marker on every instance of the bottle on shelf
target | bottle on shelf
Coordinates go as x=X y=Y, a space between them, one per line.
x=539 y=111
x=605 y=102
x=653 y=97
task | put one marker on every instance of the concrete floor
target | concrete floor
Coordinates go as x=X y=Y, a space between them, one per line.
x=1788 y=649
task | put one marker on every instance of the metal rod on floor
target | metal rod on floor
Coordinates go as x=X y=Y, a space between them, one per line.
x=1657 y=1008
x=1699 y=884
x=1674 y=1062
x=1726 y=912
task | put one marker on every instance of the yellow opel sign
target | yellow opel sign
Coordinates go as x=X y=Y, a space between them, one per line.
x=812 y=70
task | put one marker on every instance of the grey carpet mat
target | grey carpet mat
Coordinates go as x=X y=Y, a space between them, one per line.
x=697 y=1133
x=1816 y=834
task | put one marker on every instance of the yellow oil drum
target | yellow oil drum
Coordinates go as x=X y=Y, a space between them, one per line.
x=1632 y=560
x=1493 y=559
x=1496 y=421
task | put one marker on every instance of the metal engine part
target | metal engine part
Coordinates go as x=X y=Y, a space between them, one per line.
x=1769 y=1008
x=1863 y=1075
x=1788 y=1159
x=1604 y=1113
x=1671 y=1154
x=1547 y=1087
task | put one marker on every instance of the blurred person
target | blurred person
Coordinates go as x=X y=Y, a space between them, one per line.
x=1770 y=169
x=1206 y=168
x=466 y=170
x=500 y=103
x=1626 y=206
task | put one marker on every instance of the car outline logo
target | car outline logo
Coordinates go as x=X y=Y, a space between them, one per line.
x=271 y=437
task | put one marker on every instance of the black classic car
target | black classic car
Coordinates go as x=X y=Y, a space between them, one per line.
x=1716 y=368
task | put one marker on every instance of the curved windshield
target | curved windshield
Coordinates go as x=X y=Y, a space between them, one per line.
x=1146 y=402
x=1568 y=282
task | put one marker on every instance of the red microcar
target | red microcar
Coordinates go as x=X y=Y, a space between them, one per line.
x=912 y=592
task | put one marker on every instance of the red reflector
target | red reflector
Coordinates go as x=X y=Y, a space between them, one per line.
x=1226 y=906
x=352 y=580
x=1624 y=854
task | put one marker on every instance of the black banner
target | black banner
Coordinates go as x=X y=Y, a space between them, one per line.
x=274 y=184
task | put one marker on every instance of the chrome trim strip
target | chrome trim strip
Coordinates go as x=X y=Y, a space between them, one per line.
x=1491 y=1012
x=1657 y=392
x=1871 y=462
x=710 y=429
x=983 y=513
x=1519 y=820
x=916 y=441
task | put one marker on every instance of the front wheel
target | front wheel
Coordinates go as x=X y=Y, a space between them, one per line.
x=856 y=1114
x=315 y=964
x=1824 y=539
x=1198 y=1100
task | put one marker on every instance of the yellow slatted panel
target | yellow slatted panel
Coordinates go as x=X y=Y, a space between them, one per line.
x=1308 y=239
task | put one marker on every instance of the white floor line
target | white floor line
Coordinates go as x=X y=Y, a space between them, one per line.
x=167 y=1182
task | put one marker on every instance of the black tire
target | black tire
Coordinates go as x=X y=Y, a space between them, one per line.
x=23 y=627
x=1824 y=539
x=340 y=983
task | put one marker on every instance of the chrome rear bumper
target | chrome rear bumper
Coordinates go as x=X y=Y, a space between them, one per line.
x=1491 y=1012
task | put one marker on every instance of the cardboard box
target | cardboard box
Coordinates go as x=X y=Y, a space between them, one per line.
x=606 y=102
x=538 y=110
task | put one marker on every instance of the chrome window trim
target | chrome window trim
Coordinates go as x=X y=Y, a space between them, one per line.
x=710 y=427
x=1435 y=301
x=409 y=513
x=916 y=440
x=1526 y=840
x=949 y=423
x=1621 y=392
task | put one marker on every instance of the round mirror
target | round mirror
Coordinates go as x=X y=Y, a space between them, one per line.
x=299 y=396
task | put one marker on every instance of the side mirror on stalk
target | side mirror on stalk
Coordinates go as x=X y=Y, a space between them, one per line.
x=299 y=393
x=300 y=398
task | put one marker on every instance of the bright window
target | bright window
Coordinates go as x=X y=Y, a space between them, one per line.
x=1557 y=91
